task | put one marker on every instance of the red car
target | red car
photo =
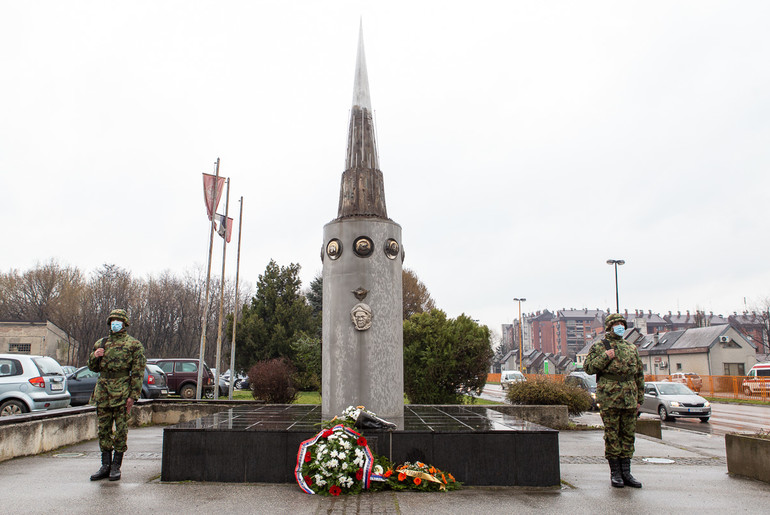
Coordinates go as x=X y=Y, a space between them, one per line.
x=182 y=376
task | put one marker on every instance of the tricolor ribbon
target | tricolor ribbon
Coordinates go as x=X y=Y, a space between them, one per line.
x=304 y=448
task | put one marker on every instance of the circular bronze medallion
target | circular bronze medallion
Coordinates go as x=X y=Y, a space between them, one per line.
x=363 y=246
x=334 y=249
x=391 y=248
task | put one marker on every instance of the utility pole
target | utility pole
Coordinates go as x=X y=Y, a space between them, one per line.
x=616 y=262
x=520 y=329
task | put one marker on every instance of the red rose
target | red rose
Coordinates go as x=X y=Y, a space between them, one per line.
x=360 y=474
x=309 y=480
x=327 y=433
x=361 y=441
x=308 y=457
x=335 y=490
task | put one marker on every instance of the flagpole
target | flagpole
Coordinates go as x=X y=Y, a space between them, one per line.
x=217 y=371
x=235 y=312
x=206 y=304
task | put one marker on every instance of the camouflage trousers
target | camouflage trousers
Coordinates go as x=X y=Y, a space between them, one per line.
x=108 y=439
x=619 y=432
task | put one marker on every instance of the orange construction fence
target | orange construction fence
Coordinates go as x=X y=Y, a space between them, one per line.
x=728 y=387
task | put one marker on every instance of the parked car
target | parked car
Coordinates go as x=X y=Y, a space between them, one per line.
x=758 y=380
x=154 y=383
x=690 y=379
x=68 y=369
x=669 y=400
x=182 y=376
x=82 y=383
x=586 y=382
x=510 y=376
x=31 y=383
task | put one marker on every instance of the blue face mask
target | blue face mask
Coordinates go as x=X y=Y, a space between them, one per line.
x=618 y=329
x=116 y=326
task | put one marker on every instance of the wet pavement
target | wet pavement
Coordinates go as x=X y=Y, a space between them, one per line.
x=692 y=478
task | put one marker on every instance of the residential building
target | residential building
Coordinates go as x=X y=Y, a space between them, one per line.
x=754 y=326
x=543 y=338
x=573 y=329
x=714 y=350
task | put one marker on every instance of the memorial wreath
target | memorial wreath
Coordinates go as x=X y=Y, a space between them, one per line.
x=338 y=461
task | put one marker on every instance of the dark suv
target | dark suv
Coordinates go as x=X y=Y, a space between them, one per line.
x=182 y=376
x=586 y=382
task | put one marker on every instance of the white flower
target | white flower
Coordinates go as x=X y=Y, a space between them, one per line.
x=333 y=454
x=344 y=465
x=359 y=452
x=359 y=462
x=333 y=463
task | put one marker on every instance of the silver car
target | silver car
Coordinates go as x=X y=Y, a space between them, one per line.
x=31 y=383
x=668 y=400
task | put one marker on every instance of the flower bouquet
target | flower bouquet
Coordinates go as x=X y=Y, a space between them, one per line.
x=419 y=476
x=335 y=461
x=338 y=460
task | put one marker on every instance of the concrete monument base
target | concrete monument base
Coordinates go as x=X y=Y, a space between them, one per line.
x=479 y=446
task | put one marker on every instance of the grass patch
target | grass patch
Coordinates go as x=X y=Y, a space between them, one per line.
x=728 y=400
x=467 y=399
x=302 y=397
x=308 y=398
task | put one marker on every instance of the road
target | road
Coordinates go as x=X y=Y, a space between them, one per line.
x=728 y=418
x=725 y=417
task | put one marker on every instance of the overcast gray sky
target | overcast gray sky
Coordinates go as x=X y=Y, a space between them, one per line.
x=522 y=143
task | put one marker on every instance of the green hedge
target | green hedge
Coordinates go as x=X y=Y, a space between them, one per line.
x=545 y=392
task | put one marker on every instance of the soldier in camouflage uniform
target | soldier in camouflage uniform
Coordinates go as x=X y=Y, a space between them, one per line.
x=120 y=361
x=619 y=392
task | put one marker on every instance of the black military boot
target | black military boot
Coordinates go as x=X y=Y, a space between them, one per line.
x=117 y=461
x=104 y=470
x=625 y=471
x=615 y=476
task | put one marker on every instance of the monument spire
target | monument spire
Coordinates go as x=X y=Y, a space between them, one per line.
x=362 y=192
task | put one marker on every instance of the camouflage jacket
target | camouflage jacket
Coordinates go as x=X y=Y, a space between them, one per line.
x=620 y=380
x=121 y=370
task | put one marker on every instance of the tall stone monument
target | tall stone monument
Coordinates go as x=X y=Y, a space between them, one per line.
x=362 y=302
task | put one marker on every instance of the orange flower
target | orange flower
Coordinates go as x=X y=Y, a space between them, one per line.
x=417 y=481
x=432 y=470
x=443 y=478
x=401 y=476
x=420 y=464
x=451 y=477
x=388 y=473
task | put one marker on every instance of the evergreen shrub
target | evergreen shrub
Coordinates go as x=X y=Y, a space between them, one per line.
x=545 y=392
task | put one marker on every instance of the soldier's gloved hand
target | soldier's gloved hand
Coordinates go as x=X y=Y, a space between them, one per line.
x=610 y=353
x=129 y=404
x=98 y=353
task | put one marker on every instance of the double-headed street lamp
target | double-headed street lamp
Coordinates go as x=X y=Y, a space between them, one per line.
x=616 y=262
x=520 y=338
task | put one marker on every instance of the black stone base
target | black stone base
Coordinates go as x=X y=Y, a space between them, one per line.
x=479 y=446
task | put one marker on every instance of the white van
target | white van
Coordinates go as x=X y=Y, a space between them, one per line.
x=510 y=376
x=758 y=379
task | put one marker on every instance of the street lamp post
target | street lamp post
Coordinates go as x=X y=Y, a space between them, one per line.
x=520 y=333
x=616 y=262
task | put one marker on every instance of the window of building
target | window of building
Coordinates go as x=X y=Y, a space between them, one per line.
x=21 y=348
x=735 y=369
x=644 y=367
x=679 y=366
